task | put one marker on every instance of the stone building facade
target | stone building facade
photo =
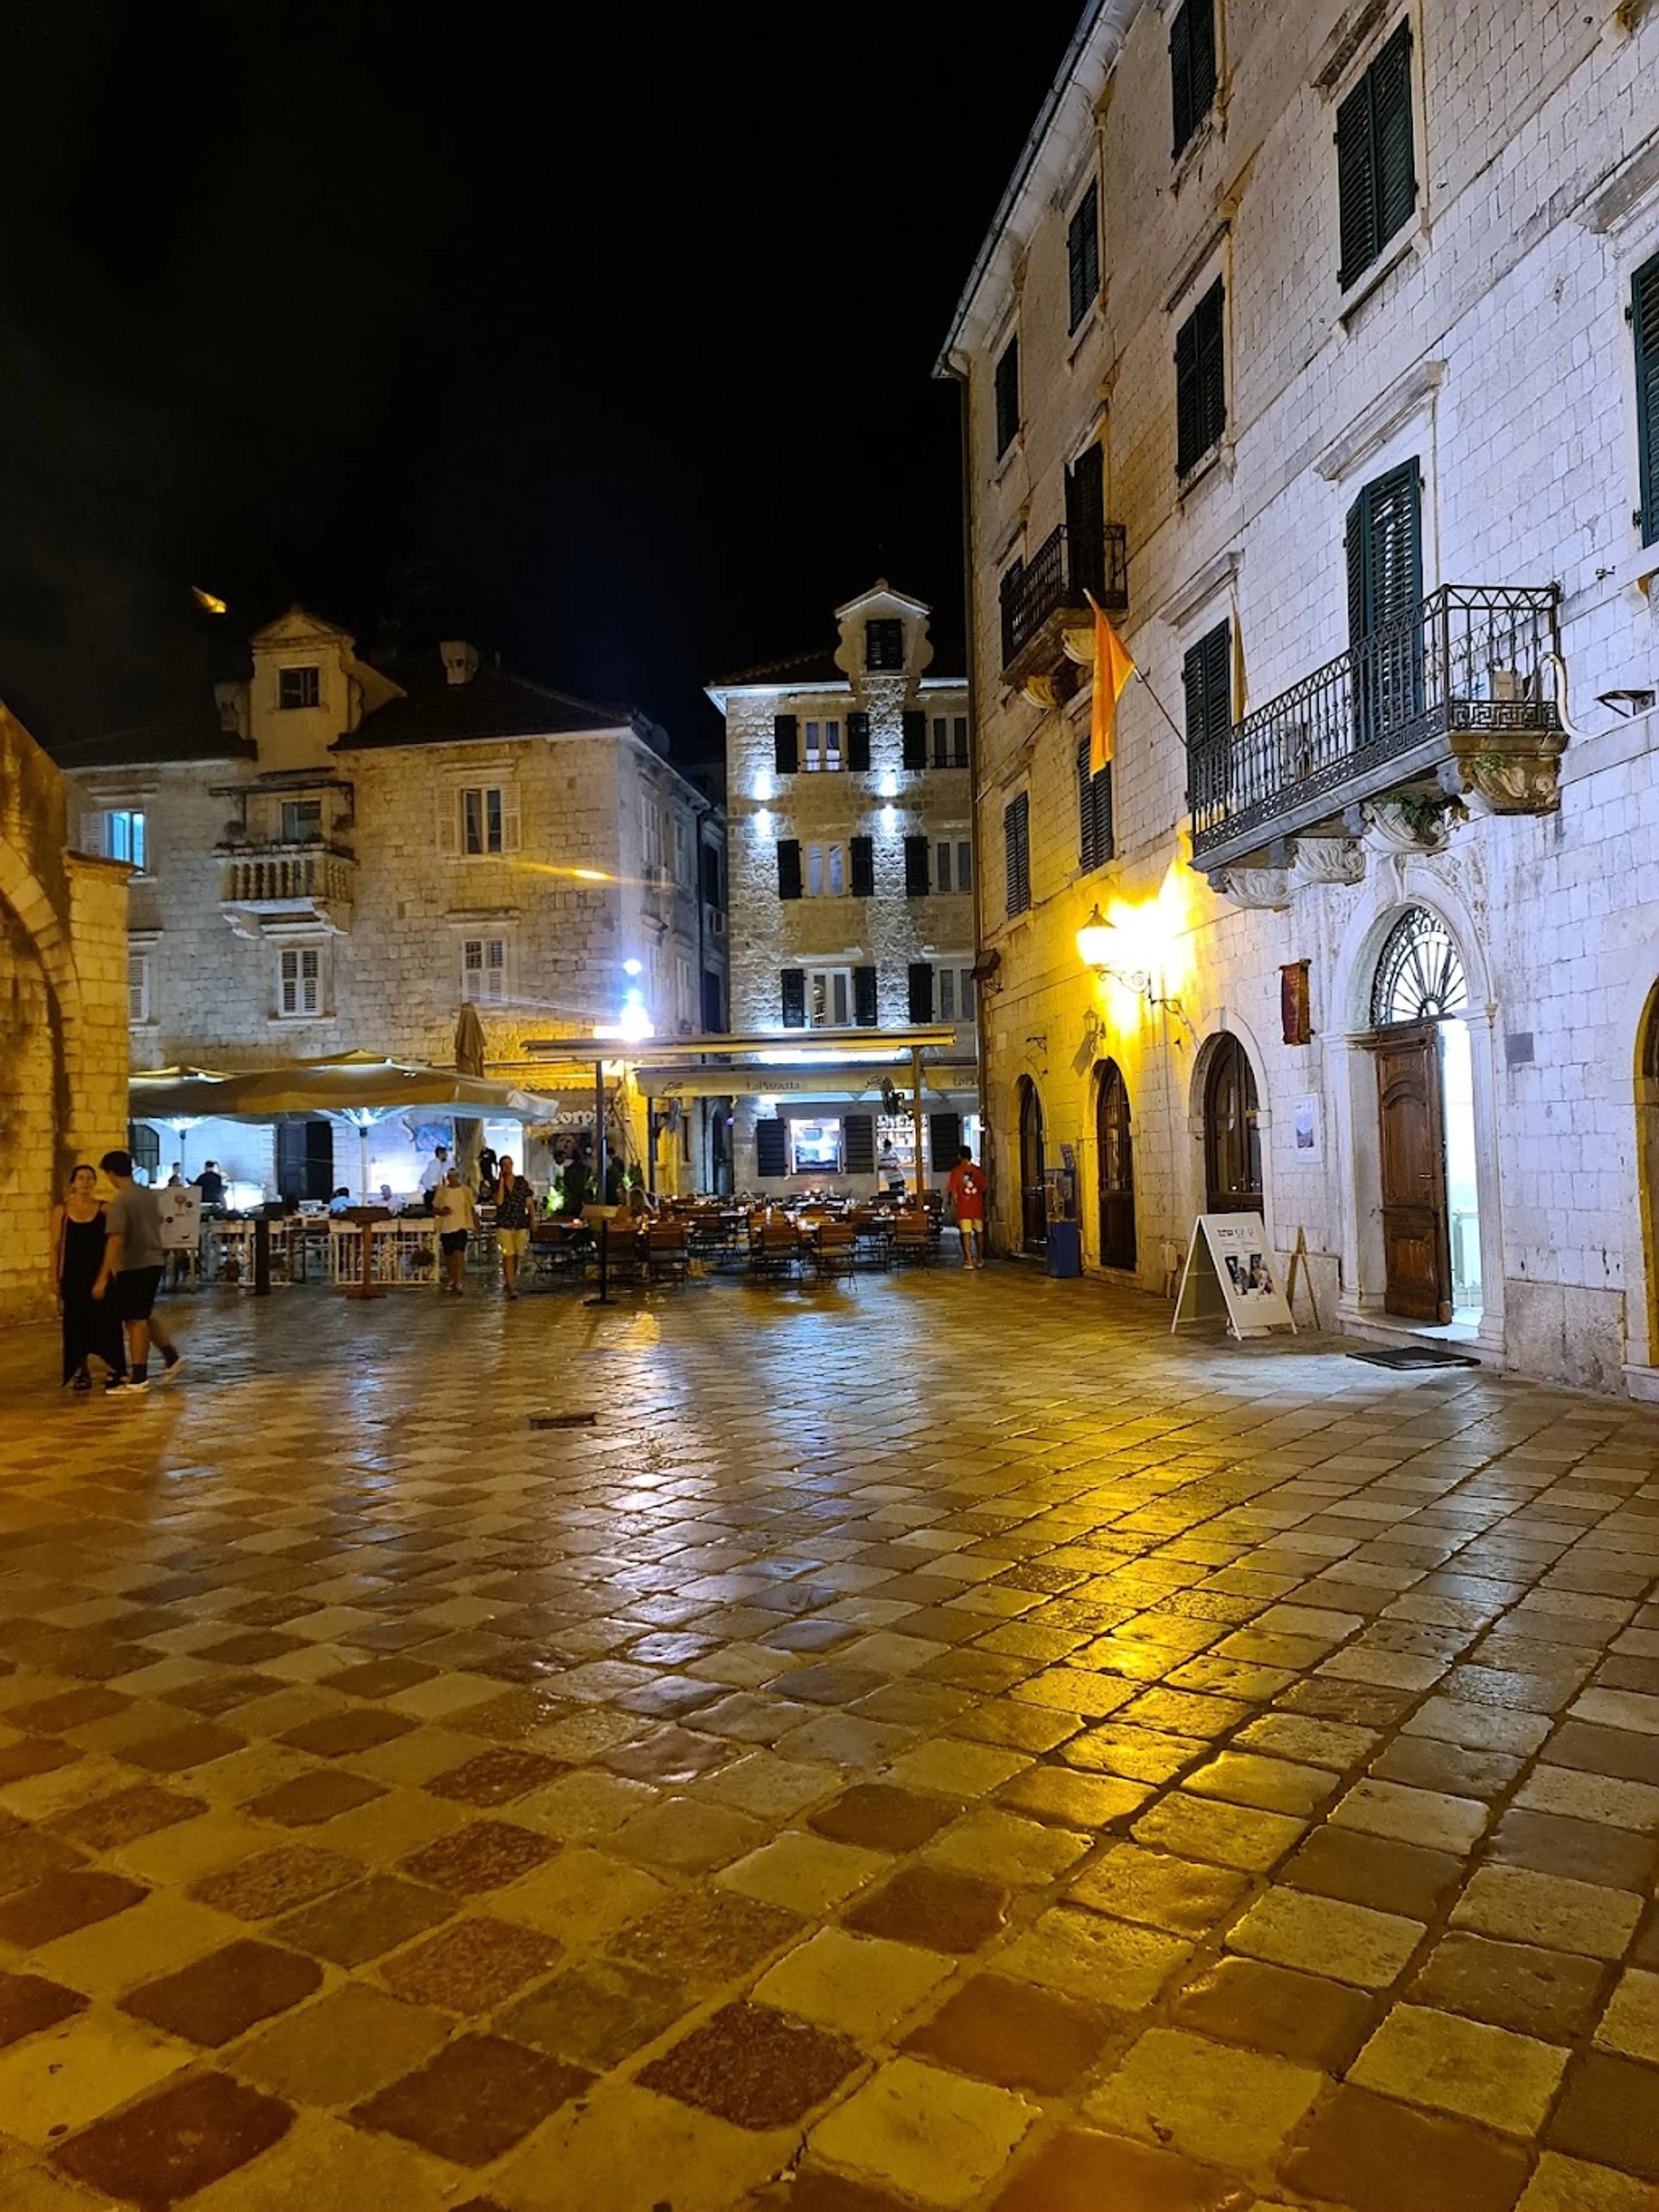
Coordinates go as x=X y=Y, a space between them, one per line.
x=1347 y=412
x=851 y=856
x=63 y=1010
x=343 y=854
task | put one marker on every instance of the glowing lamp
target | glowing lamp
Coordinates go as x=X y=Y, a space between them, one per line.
x=1095 y=942
x=633 y=968
x=635 y=1024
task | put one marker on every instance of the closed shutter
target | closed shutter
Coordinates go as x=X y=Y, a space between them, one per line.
x=858 y=1144
x=864 y=867
x=1017 y=852
x=921 y=992
x=959 y=740
x=1094 y=799
x=1645 y=320
x=772 y=1147
x=794 y=997
x=1376 y=159
x=509 y=818
x=1206 y=678
x=1191 y=68
x=864 y=998
x=943 y=1141
x=1085 y=521
x=1384 y=549
x=1083 y=256
x=1007 y=395
x=789 y=884
x=1008 y=607
x=786 y=744
x=858 y=740
x=449 y=821
x=1201 y=381
x=916 y=867
x=915 y=738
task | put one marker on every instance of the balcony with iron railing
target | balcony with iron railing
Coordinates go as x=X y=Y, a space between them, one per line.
x=1455 y=698
x=281 y=882
x=1048 y=598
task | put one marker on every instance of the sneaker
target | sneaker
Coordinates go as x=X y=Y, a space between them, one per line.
x=82 y=1382
x=170 y=1360
x=129 y=1384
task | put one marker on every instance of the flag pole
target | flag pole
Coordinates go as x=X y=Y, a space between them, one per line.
x=1141 y=674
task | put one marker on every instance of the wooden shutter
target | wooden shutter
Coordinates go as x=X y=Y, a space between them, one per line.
x=916 y=867
x=864 y=867
x=1083 y=256
x=915 y=738
x=509 y=817
x=1016 y=854
x=789 y=884
x=1182 y=121
x=1391 y=123
x=1007 y=395
x=786 y=744
x=794 y=997
x=921 y=991
x=1094 y=807
x=1645 y=323
x=1201 y=381
x=1201 y=58
x=944 y=1140
x=772 y=1147
x=1206 y=678
x=864 y=998
x=1383 y=542
x=1085 y=521
x=858 y=740
x=449 y=820
x=858 y=1144
x=1356 y=186
x=1188 y=410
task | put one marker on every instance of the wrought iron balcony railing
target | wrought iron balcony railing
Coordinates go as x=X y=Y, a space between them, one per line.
x=1066 y=568
x=1461 y=678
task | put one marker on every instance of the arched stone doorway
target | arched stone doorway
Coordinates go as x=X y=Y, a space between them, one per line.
x=29 y=1105
x=1427 y=1157
x=1033 y=1189
x=1114 y=1151
x=1232 y=1137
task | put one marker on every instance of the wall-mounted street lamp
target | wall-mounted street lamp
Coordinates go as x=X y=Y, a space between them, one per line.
x=1099 y=947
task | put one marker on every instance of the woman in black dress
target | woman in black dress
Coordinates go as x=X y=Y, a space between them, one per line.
x=90 y=1325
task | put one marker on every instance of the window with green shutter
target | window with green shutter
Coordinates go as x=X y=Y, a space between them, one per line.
x=1094 y=807
x=772 y=1147
x=1007 y=395
x=1206 y=678
x=1376 y=160
x=1016 y=853
x=1083 y=256
x=1644 y=325
x=786 y=753
x=916 y=867
x=862 y=856
x=1384 y=550
x=1201 y=381
x=1191 y=68
x=789 y=877
x=921 y=992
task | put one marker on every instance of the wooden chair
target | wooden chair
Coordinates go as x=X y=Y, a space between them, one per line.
x=667 y=1252
x=774 y=1253
x=913 y=1239
x=834 y=1251
x=873 y=1236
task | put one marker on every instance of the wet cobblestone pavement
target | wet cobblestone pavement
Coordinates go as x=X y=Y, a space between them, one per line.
x=933 y=1744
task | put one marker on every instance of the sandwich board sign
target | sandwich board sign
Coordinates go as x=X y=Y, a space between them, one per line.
x=181 y=1218
x=1229 y=1270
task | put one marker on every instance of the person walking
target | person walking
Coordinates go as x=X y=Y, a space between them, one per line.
x=457 y=1215
x=436 y=1174
x=131 y=1270
x=966 y=1184
x=91 y=1326
x=514 y=1200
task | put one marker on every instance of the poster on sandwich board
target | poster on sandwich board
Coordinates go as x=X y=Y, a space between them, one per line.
x=1231 y=1270
x=181 y=1217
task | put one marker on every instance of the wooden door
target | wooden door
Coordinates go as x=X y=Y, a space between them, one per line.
x=1417 y=1255
x=1033 y=1191
x=1117 y=1182
x=1232 y=1141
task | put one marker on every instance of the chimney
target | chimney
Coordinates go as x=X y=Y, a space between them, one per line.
x=460 y=659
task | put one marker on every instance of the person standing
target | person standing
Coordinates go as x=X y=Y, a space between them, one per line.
x=211 y=1184
x=451 y=1203
x=91 y=1326
x=966 y=1184
x=435 y=1175
x=131 y=1270
x=514 y=1200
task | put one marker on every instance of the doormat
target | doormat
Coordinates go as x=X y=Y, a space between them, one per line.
x=1414 y=1355
x=563 y=1420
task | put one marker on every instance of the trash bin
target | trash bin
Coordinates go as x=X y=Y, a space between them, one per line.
x=1065 y=1248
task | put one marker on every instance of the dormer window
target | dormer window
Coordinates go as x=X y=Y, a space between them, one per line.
x=884 y=644
x=299 y=687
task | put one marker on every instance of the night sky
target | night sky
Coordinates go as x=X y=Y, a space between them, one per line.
x=603 y=341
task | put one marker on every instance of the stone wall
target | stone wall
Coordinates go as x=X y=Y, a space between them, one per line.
x=1488 y=343
x=63 y=1010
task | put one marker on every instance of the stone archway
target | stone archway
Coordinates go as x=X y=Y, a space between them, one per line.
x=32 y=1078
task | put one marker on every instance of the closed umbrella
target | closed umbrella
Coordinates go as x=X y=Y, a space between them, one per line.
x=469 y=1061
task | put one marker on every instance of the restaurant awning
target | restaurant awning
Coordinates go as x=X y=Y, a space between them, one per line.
x=356 y=1084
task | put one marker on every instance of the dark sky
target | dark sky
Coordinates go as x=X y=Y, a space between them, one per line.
x=600 y=335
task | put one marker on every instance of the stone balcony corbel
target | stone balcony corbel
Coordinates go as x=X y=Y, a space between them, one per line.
x=1260 y=888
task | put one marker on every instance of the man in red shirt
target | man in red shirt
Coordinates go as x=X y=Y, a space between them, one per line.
x=966 y=1184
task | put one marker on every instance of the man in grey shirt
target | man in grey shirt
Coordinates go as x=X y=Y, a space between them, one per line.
x=133 y=1258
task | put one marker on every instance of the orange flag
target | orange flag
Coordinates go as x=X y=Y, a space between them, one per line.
x=1113 y=669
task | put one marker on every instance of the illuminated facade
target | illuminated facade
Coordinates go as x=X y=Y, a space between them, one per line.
x=1324 y=356
x=343 y=853
x=852 y=871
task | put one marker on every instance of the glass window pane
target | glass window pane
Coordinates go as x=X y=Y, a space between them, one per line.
x=942 y=865
x=837 y=866
x=947 y=994
x=964 y=864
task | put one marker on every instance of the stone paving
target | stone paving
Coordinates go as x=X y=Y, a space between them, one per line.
x=932 y=1744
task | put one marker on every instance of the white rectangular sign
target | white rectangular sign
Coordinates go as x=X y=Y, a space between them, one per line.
x=1230 y=1269
x=181 y=1218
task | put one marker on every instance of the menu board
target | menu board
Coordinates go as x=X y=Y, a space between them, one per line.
x=181 y=1217
x=1231 y=1270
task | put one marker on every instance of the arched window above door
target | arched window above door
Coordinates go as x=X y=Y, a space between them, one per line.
x=1419 y=972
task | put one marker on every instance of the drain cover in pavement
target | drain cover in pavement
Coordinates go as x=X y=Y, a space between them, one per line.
x=563 y=1420
x=1415 y=1355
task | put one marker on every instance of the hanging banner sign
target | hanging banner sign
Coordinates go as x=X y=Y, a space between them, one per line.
x=1229 y=1270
